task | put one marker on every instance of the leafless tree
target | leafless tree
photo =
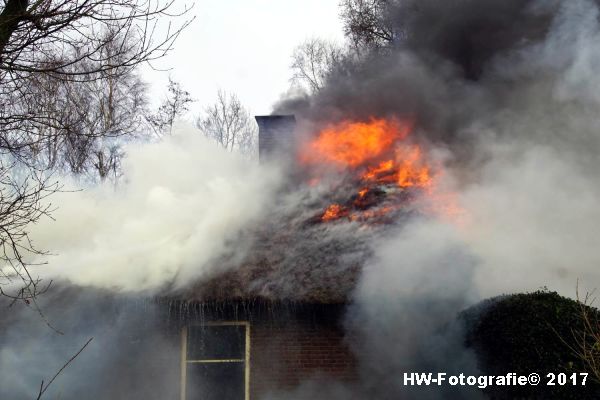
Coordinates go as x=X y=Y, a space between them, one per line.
x=74 y=41
x=174 y=105
x=107 y=161
x=313 y=60
x=66 y=87
x=586 y=344
x=21 y=204
x=31 y=30
x=95 y=116
x=367 y=23
x=229 y=124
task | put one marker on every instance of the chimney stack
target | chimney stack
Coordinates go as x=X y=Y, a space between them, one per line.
x=275 y=135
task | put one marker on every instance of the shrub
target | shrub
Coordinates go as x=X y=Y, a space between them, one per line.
x=533 y=332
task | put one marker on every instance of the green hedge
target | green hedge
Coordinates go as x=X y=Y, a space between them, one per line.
x=525 y=333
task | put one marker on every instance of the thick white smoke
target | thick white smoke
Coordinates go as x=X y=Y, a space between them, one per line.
x=530 y=189
x=183 y=204
x=131 y=354
x=534 y=224
x=534 y=208
x=404 y=318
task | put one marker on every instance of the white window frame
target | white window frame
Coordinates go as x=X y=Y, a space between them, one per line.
x=245 y=360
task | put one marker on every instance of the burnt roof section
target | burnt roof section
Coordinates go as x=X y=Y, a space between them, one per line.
x=304 y=262
x=275 y=135
x=288 y=257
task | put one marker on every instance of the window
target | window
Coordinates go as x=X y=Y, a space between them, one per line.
x=215 y=361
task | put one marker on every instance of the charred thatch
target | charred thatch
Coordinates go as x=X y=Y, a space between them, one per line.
x=292 y=262
x=296 y=255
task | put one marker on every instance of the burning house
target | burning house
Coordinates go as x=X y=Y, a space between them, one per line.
x=455 y=161
x=277 y=319
x=273 y=315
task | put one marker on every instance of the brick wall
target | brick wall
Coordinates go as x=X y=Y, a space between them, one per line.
x=284 y=355
x=290 y=343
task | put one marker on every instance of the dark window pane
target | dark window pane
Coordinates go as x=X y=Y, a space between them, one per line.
x=215 y=381
x=216 y=342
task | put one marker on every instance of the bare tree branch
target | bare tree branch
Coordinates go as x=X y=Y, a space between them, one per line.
x=174 y=105
x=22 y=203
x=229 y=124
x=68 y=89
x=313 y=61
x=367 y=23
x=45 y=387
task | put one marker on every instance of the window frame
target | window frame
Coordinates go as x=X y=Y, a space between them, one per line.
x=245 y=360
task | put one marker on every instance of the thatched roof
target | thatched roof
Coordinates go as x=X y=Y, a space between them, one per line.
x=291 y=256
x=314 y=264
x=298 y=283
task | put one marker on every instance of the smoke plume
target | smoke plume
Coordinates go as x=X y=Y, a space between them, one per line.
x=507 y=90
x=131 y=354
x=183 y=204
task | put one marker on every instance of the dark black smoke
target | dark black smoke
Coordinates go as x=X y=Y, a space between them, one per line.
x=442 y=70
x=468 y=34
x=509 y=89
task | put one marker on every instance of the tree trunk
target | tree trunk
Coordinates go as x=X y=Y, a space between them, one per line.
x=13 y=13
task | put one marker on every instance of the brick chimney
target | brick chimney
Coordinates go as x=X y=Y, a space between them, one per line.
x=275 y=135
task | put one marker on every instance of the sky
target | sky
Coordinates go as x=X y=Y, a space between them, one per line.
x=242 y=46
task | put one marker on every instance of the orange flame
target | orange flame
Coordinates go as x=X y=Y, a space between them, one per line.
x=383 y=167
x=411 y=169
x=378 y=152
x=350 y=144
x=334 y=211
